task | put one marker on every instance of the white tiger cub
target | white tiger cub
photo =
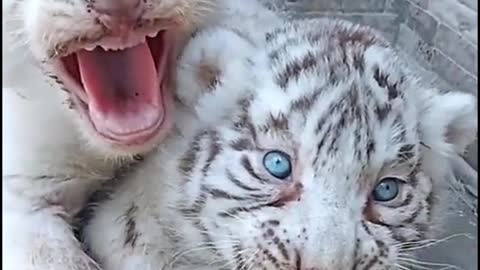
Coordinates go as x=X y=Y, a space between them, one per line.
x=331 y=158
x=114 y=60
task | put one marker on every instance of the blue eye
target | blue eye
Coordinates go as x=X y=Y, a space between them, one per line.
x=278 y=164
x=386 y=190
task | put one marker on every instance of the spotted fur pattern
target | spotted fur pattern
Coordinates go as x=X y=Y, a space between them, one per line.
x=335 y=97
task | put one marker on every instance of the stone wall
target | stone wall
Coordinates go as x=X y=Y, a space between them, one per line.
x=440 y=34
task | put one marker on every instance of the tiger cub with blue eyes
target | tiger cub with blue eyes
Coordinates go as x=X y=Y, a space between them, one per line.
x=317 y=151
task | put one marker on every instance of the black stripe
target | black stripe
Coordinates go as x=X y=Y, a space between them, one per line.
x=237 y=248
x=305 y=103
x=238 y=183
x=131 y=233
x=249 y=168
x=371 y=262
x=196 y=208
x=415 y=214
x=293 y=69
x=242 y=144
x=221 y=194
x=190 y=157
x=231 y=212
x=214 y=150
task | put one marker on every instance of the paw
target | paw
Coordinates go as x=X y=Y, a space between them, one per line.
x=41 y=241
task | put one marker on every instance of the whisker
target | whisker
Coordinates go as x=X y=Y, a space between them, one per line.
x=202 y=247
x=251 y=260
x=419 y=267
x=433 y=242
x=401 y=267
x=233 y=261
x=424 y=263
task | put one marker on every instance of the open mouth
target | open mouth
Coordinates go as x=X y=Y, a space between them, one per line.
x=120 y=85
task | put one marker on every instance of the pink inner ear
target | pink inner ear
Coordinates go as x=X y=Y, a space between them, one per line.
x=460 y=136
x=451 y=134
x=448 y=120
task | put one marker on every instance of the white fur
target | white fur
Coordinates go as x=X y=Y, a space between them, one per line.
x=331 y=208
x=52 y=160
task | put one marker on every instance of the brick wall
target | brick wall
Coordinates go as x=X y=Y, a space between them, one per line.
x=440 y=34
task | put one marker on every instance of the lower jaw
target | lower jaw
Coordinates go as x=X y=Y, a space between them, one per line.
x=138 y=139
x=142 y=140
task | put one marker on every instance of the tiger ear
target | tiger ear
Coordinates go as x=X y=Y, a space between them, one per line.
x=448 y=121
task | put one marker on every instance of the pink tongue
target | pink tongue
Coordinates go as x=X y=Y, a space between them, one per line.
x=122 y=89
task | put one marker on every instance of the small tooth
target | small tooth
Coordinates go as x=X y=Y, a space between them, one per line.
x=90 y=47
x=154 y=34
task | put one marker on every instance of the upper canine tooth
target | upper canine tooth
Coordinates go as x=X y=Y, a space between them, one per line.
x=153 y=34
x=105 y=48
x=90 y=47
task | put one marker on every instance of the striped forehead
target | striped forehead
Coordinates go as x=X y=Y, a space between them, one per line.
x=335 y=90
